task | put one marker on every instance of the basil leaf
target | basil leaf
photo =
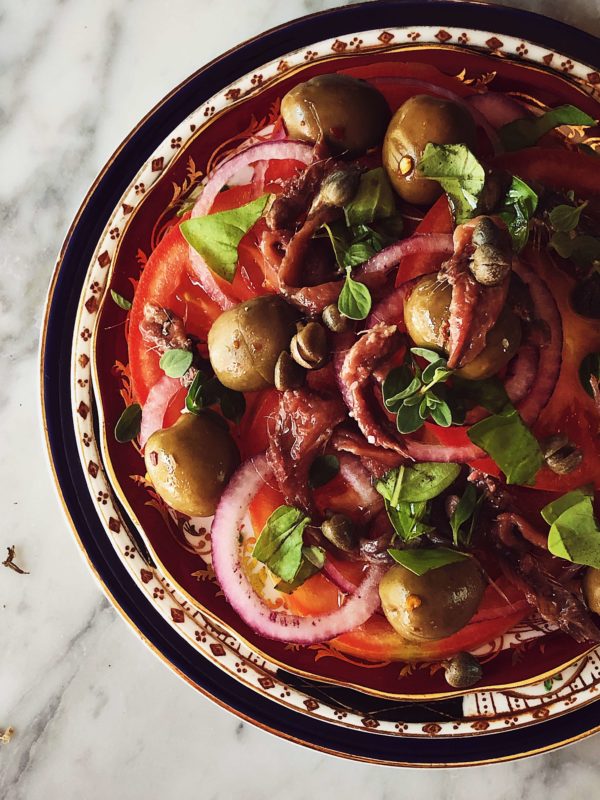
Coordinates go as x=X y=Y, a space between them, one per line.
x=459 y=174
x=553 y=510
x=390 y=229
x=128 y=424
x=313 y=560
x=354 y=301
x=217 y=236
x=358 y=253
x=518 y=208
x=322 y=470
x=232 y=403
x=406 y=519
x=525 y=132
x=176 y=363
x=194 y=401
x=423 y=560
x=575 y=535
x=408 y=418
x=120 y=300
x=373 y=200
x=279 y=545
x=420 y=482
x=510 y=443
x=429 y=355
x=590 y=366
x=566 y=218
x=463 y=511
x=584 y=249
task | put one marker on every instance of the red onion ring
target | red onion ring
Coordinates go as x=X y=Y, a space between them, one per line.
x=478 y=117
x=265 y=621
x=155 y=407
x=263 y=151
x=497 y=108
x=337 y=578
x=358 y=478
x=390 y=310
x=550 y=359
x=521 y=373
x=439 y=243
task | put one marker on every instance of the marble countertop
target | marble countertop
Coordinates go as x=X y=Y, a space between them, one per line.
x=95 y=714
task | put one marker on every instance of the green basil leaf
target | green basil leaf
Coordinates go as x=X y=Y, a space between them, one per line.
x=575 y=536
x=518 y=208
x=441 y=414
x=194 y=399
x=322 y=470
x=373 y=200
x=418 y=483
x=407 y=519
x=358 y=253
x=390 y=229
x=583 y=250
x=280 y=543
x=120 y=300
x=590 y=366
x=339 y=241
x=408 y=418
x=489 y=393
x=176 y=363
x=525 y=132
x=217 y=236
x=423 y=560
x=128 y=424
x=232 y=404
x=510 y=443
x=553 y=510
x=463 y=512
x=354 y=301
x=429 y=355
x=566 y=218
x=313 y=559
x=459 y=174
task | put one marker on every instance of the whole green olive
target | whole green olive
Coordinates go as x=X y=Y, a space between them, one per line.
x=418 y=121
x=591 y=589
x=426 y=313
x=190 y=463
x=245 y=342
x=433 y=605
x=349 y=114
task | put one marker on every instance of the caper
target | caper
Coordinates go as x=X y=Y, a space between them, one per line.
x=335 y=320
x=288 y=374
x=561 y=455
x=337 y=190
x=339 y=530
x=463 y=671
x=309 y=346
x=490 y=265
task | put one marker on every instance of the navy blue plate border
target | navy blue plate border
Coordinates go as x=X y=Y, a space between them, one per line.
x=61 y=312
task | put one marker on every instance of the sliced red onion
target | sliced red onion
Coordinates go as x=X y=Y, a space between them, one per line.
x=266 y=621
x=338 y=578
x=358 y=478
x=155 y=407
x=263 y=151
x=550 y=359
x=441 y=453
x=425 y=86
x=418 y=243
x=521 y=373
x=390 y=310
x=497 y=108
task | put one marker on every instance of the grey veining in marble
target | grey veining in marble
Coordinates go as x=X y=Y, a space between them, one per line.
x=95 y=714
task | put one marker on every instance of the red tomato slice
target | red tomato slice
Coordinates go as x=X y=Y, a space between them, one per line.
x=437 y=220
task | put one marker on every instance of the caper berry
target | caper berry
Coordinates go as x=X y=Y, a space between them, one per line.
x=561 y=455
x=463 y=671
x=309 y=346
x=337 y=190
x=335 y=320
x=339 y=530
x=288 y=374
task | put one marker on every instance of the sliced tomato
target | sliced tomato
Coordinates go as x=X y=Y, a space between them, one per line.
x=165 y=281
x=254 y=426
x=437 y=220
x=569 y=169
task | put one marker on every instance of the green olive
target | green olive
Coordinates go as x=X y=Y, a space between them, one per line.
x=433 y=605
x=190 y=463
x=418 y=121
x=349 y=114
x=591 y=589
x=245 y=342
x=426 y=314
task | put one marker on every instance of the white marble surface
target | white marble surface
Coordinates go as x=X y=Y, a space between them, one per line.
x=95 y=714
